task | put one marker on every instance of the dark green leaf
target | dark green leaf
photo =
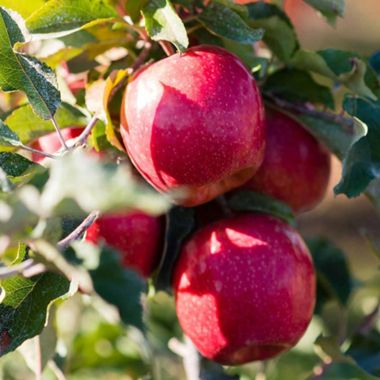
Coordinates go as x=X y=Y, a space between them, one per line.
x=333 y=274
x=134 y=7
x=279 y=32
x=345 y=67
x=63 y=15
x=163 y=23
x=298 y=86
x=331 y=9
x=7 y=136
x=346 y=371
x=23 y=309
x=14 y=165
x=180 y=222
x=246 y=200
x=362 y=163
x=374 y=62
x=21 y=72
x=224 y=22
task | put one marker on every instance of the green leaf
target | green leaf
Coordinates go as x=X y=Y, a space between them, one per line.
x=331 y=9
x=134 y=7
x=7 y=136
x=279 y=32
x=180 y=222
x=362 y=163
x=298 y=86
x=224 y=22
x=28 y=126
x=22 y=72
x=346 y=371
x=23 y=310
x=333 y=274
x=63 y=15
x=14 y=165
x=342 y=66
x=247 y=200
x=163 y=23
x=123 y=289
x=24 y=7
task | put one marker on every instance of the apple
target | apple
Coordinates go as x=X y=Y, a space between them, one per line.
x=194 y=122
x=50 y=143
x=244 y=288
x=135 y=235
x=296 y=167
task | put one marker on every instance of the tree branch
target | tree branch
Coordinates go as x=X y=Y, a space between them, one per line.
x=81 y=139
x=79 y=231
x=308 y=109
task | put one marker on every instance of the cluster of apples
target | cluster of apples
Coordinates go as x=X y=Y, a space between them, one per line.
x=195 y=126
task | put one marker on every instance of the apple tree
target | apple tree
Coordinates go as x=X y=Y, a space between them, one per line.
x=155 y=158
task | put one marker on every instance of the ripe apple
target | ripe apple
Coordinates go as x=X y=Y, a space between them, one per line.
x=296 y=167
x=244 y=288
x=135 y=235
x=194 y=122
x=50 y=143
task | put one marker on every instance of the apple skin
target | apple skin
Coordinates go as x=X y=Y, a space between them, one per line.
x=244 y=289
x=194 y=122
x=137 y=236
x=50 y=143
x=296 y=167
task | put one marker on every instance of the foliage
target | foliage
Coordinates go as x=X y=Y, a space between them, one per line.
x=97 y=318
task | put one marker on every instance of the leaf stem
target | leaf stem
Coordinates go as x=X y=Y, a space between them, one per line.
x=79 y=231
x=142 y=56
x=29 y=149
x=167 y=48
x=81 y=139
x=60 y=136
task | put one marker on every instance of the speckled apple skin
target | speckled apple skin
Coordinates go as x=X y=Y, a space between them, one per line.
x=194 y=121
x=296 y=167
x=244 y=289
x=50 y=143
x=135 y=235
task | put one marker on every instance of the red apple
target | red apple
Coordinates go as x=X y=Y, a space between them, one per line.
x=50 y=143
x=135 y=235
x=296 y=167
x=195 y=122
x=244 y=288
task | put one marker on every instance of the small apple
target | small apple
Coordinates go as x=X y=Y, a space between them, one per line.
x=194 y=122
x=50 y=143
x=135 y=235
x=244 y=288
x=296 y=167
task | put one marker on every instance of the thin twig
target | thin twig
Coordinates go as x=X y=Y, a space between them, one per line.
x=59 y=132
x=82 y=138
x=32 y=150
x=167 y=48
x=79 y=231
x=308 y=109
x=142 y=56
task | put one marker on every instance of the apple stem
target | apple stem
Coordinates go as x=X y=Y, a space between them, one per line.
x=79 y=231
x=309 y=109
x=32 y=150
x=58 y=130
x=167 y=48
x=81 y=139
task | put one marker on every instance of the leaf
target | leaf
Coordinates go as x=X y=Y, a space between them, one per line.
x=346 y=371
x=28 y=126
x=124 y=288
x=362 y=163
x=345 y=67
x=23 y=310
x=180 y=222
x=24 y=7
x=374 y=62
x=7 y=136
x=163 y=23
x=298 y=86
x=333 y=274
x=22 y=72
x=247 y=200
x=331 y=9
x=279 y=32
x=63 y=15
x=134 y=7
x=14 y=165
x=224 y=22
